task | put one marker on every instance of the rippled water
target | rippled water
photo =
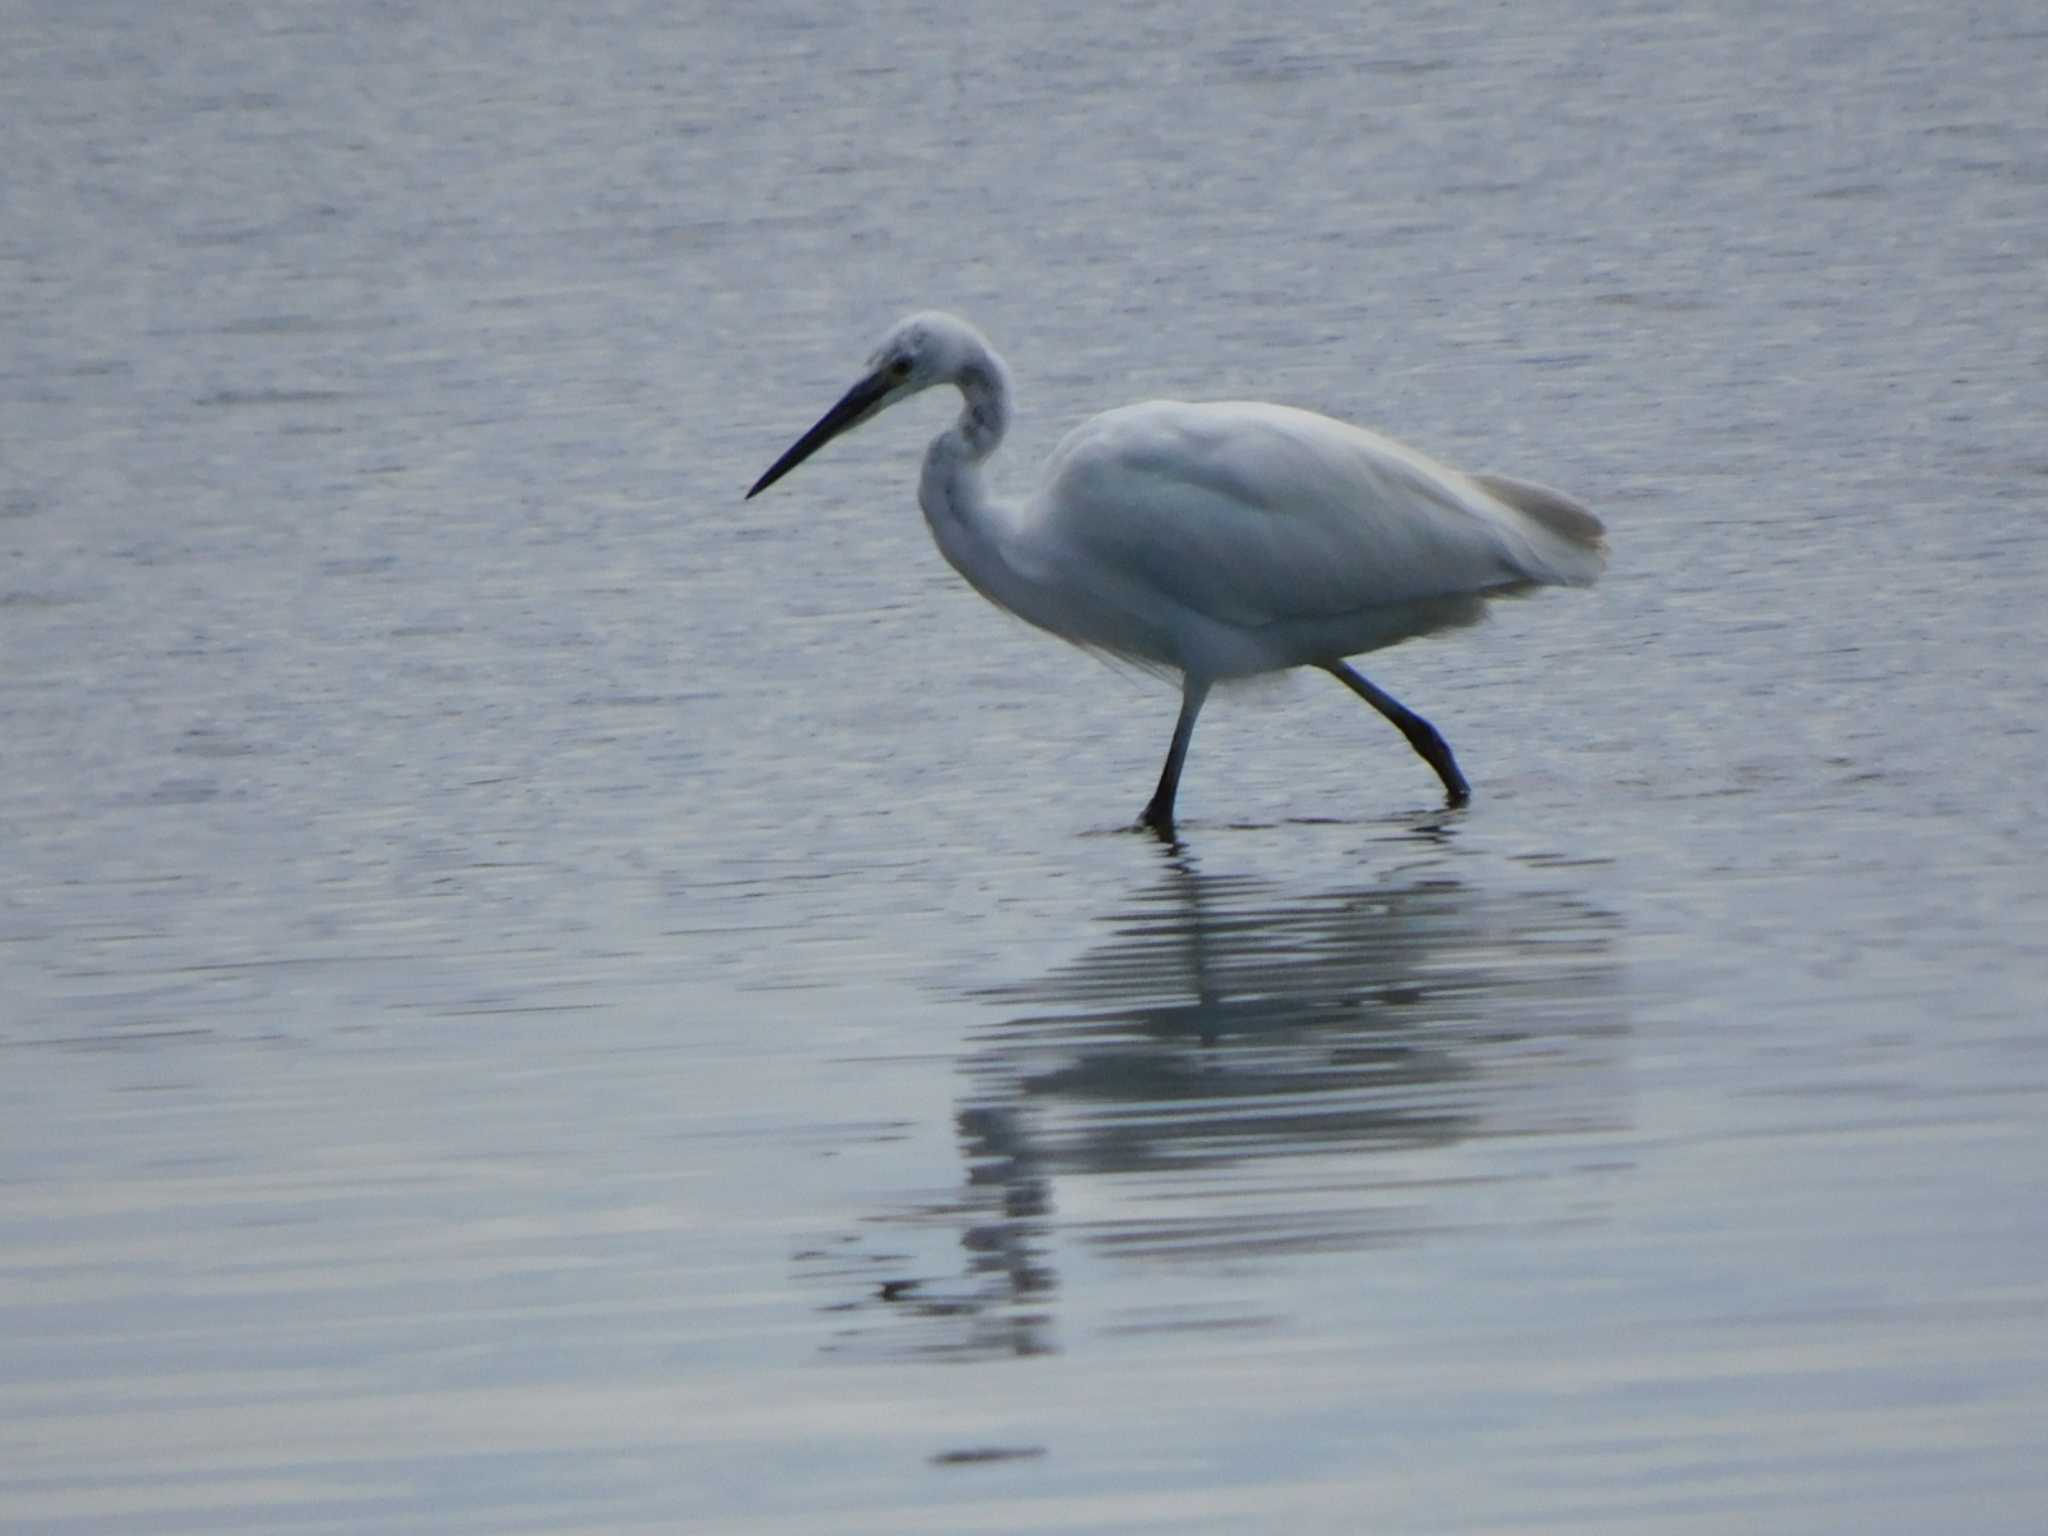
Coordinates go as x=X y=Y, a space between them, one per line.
x=535 y=996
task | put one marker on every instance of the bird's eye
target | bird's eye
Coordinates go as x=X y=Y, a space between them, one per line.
x=900 y=368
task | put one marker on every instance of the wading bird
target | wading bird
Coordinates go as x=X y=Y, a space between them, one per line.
x=1218 y=541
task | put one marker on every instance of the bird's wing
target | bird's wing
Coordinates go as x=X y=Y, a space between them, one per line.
x=1257 y=514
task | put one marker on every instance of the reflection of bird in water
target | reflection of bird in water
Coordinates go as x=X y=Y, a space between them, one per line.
x=1214 y=1028
x=1218 y=541
x=1219 y=1064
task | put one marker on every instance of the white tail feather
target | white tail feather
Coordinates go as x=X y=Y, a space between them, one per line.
x=1582 y=535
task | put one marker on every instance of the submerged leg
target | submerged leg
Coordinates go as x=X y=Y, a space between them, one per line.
x=1422 y=736
x=1158 y=814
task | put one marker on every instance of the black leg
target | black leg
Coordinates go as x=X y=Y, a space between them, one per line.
x=1158 y=814
x=1422 y=736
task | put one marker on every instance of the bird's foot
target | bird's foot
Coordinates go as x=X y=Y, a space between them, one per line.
x=1158 y=820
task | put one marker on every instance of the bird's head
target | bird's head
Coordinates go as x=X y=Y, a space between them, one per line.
x=920 y=350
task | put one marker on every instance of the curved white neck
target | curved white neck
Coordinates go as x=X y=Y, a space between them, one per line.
x=951 y=490
x=972 y=531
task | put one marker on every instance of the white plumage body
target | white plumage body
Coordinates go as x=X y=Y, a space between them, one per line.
x=1235 y=538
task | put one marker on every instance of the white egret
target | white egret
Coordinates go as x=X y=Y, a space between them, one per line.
x=1221 y=540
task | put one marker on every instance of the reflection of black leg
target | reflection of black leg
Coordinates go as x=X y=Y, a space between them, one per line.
x=1158 y=814
x=1422 y=736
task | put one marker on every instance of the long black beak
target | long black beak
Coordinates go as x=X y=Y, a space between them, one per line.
x=854 y=407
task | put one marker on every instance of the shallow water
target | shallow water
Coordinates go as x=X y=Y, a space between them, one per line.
x=534 y=996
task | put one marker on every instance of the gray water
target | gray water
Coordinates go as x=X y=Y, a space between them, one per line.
x=535 y=996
